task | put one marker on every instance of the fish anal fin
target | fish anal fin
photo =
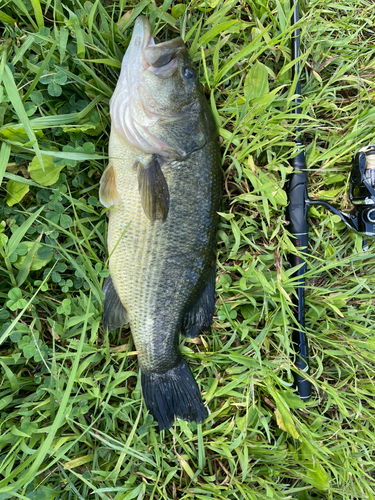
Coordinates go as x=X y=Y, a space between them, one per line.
x=153 y=189
x=114 y=313
x=198 y=315
x=172 y=394
x=108 y=194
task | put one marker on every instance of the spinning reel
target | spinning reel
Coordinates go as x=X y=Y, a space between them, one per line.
x=361 y=193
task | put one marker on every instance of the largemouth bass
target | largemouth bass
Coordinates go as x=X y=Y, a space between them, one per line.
x=162 y=183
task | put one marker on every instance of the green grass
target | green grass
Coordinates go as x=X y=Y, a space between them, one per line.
x=73 y=424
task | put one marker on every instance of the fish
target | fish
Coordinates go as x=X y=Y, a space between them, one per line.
x=162 y=184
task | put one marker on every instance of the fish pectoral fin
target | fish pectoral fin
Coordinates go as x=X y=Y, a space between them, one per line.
x=198 y=316
x=108 y=194
x=153 y=189
x=114 y=313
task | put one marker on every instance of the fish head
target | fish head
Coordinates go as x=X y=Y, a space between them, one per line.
x=157 y=104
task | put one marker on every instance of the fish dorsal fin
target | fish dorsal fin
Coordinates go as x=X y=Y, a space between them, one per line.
x=114 y=313
x=153 y=189
x=108 y=193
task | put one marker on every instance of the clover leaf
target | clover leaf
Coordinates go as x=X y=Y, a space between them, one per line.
x=45 y=177
x=65 y=307
x=33 y=347
x=28 y=427
x=42 y=37
x=16 y=301
x=37 y=97
x=54 y=89
x=21 y=249
x=15 y=192
x=24 y=342
x=54 y=82
x=64 y=219
x=61 y=77
x=29 y=351
x=3 y=237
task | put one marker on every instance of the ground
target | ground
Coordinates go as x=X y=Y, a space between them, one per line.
x=73 y=423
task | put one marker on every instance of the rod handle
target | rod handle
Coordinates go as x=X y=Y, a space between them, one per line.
x=302 y=385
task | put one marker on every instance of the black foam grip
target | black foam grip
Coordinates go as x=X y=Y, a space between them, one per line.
x=297 y=196
x=302 y=385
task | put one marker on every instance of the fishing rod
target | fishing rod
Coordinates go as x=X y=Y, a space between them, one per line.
x=296 y=215
x=360 y=219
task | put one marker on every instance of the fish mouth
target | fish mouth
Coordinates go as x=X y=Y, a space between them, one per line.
x=144 y=55
x=161 y=59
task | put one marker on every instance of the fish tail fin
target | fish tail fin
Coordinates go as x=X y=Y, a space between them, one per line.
x=173 y=394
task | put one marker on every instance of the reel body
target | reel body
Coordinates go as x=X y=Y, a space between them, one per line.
x=361 y=193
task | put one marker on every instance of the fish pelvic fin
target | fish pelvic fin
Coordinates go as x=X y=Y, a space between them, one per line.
x=153 y=189
x=108 y=194
x=173 y=394
x=114 y=313
x=198 y=315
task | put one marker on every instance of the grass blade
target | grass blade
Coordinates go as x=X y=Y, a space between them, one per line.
x=16 y=101
x=38 y=13
x=4 y=158
x=21 y=231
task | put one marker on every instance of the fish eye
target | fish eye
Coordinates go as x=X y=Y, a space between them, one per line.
x=189 y=73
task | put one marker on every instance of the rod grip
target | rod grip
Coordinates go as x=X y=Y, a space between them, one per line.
x=297 y=196
x=301 y=361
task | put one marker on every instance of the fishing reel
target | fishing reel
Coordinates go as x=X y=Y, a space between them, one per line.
x=361 y=193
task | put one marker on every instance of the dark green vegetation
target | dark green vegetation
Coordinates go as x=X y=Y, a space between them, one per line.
x=73 y=424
